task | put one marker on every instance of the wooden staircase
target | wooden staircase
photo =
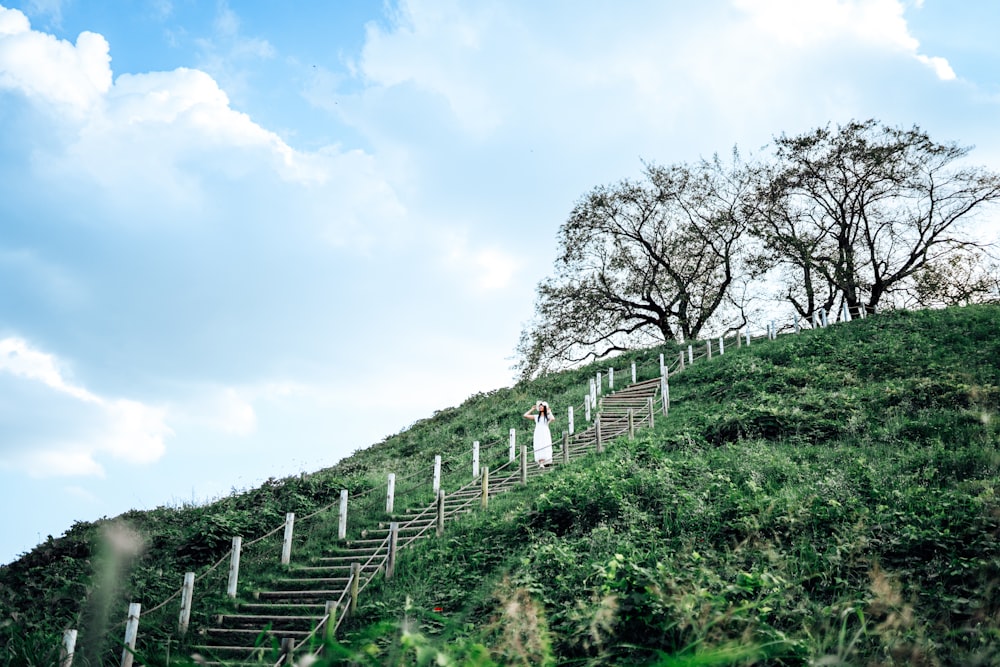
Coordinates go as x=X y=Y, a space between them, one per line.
x=295 y=605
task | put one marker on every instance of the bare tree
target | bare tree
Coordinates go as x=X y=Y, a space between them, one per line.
x=641 y=262
x=857 y=212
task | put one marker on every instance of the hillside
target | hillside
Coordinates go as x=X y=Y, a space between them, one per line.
x=825 y=498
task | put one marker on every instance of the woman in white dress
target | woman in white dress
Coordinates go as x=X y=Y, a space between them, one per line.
x=542 y=416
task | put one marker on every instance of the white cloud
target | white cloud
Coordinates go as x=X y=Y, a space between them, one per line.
x=123 y=429
x=817 y=23
x=69 y=78
x=484 y=268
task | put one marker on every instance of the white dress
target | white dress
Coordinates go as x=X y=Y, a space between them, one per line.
x=542 y=440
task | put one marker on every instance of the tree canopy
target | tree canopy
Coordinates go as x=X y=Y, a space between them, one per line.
x=862 y=214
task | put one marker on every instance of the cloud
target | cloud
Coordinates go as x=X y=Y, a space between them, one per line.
x=817 y=23
x=68 y=78
x=80 y=425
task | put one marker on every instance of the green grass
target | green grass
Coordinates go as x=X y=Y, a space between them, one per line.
x=826 y=498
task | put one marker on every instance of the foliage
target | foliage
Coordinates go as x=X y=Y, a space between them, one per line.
x=641 y=262
x=871 y=213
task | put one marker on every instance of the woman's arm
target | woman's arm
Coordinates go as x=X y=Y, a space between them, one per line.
x=528 y=415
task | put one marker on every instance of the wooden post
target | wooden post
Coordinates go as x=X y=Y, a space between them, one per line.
x=355 y=586
x=131 y=632
x=513 y=443
x=649 y=409
x=774 y=331
x=681 y=366
x=440 y=513
x=597 y=427
x=633 y=368
x=524 y=464
x=739 y=340
x=565 y=447
x=815 y=319
x=390 y=566
x=631 y=424
x=486 y=487
x=569 y=412
x=342 y=524
x=68 y=649
x=593 y=393
x=665 y=394
x=187 y=595
x=475 y=459
x=390 y=493
x=822 y=316
x=722 y=345
x=690 y=354
x=287 y=650
x=662 y=367
x=586 y=407
x=331 y=619
x=598 y=383
x=286 y=542
x=797 y=325
x=748 y=336
x=847 y=313
x=437 y=473
x=708 y=344
x=234 y=567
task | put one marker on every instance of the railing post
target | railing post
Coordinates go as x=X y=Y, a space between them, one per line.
x=342 y=516
x=569 y=412
x=287 y=650
x=681 y=366
x=187 y=595
x=131 y=633
x=565 y=447
x=331 y=619
x=665 y=394
x=598 y=383
x=597 y=427
x=631 y=424
x=586 y=407
x=739 y=339
x=485 y=500
x=774 y=331
x=68 y=649
x=524 y=464
x=649 y=408
x=437 y=473
x=355 y=586
x=513 y=444
x=690 y=354
x=662 y=367
x=234 y=566
x=797 y=326
x=822 y=314
x=722 y=345
x=593 y=393
x=748 y=336
x=611 y=379
x=815 y=319
x=708 y=344
x=390 y=493
x=633 y=368
x=286 y=542
x=440 y=513
x=475 y=459
x=390 y=566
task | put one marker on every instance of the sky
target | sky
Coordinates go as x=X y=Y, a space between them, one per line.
x=242 y=240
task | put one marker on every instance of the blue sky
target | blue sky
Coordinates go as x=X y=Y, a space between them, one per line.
x=245 y=239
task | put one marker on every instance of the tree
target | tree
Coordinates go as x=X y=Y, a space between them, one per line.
x=641 y=262
x=859 y=212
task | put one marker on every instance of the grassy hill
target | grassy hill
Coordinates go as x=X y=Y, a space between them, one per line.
x=825 y=498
